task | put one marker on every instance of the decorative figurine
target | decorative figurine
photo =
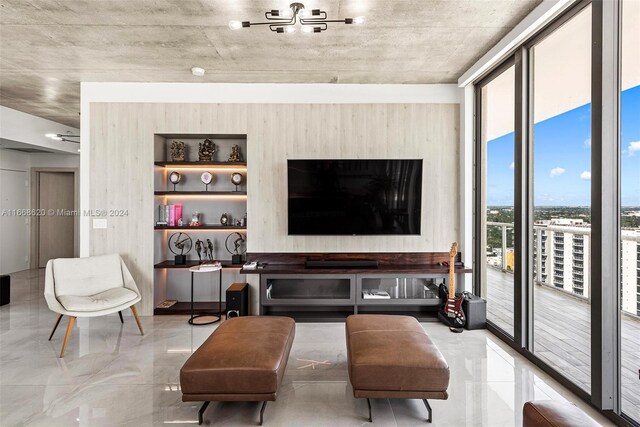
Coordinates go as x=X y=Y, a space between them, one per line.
x=206 y=178
x=236 y=254
x=206 y=150
x=180 y=242
x=236 y=179
x=243 y=222
x=177 y=151
x=180 y=222
x=195 y=220
x=224 y=219
x=235 y=155
x=199 y=248
x=174 y=178
x=210 y=247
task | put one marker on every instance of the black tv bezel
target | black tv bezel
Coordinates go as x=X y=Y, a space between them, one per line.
x=367 y=234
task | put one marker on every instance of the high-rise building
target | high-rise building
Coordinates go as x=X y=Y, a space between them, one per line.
x=561 y=260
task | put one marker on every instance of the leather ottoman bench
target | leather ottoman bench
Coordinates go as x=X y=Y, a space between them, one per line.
x=392 y=357
x=243 y=360
x=549 y=413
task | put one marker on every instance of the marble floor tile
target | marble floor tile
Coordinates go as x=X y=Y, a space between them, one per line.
x=112 y=376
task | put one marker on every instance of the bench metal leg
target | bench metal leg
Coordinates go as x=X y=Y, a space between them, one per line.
x=121 y=319
x=201 y=412
x=426 y=403
x=264 y=405
x=369 y=404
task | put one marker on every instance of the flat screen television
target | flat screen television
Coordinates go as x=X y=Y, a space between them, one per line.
x=354 y=197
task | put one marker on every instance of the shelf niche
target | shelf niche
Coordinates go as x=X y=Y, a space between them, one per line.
x=172 y=282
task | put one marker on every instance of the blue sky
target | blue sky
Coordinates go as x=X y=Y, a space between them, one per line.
x=562 y=158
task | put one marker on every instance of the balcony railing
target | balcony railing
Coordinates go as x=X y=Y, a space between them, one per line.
x=555 y=278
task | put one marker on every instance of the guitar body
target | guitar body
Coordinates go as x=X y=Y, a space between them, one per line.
x=451 y=313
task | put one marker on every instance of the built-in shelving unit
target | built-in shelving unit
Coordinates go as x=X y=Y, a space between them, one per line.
x=171 y=281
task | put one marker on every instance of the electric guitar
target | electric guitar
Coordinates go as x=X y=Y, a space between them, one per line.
x=452 y=313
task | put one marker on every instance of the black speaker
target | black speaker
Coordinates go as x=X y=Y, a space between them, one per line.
x=5 y=290
x=475 y=310
x=238 y=300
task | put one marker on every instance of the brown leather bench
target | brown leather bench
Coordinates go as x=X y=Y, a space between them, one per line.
x=549 y=413
x=242 y=361
x=392 y=357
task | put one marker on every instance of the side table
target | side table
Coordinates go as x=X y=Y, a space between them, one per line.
x=199 y=269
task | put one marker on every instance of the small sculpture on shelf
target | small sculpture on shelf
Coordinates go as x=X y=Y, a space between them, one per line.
x=239 y=247
x=180 y=245
x=210 y=248
x=236 y=179
x=206 y=178
x=225 y=219
x=206 y=150
x=195 y=220
x=174 y=178
x=199 y=249
x=177 y=151
x=243 y=222
x=235 y=155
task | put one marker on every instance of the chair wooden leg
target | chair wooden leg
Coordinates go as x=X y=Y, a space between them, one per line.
x=66 y=336
x=135 y=314
x=55 y=327
x=121 y=319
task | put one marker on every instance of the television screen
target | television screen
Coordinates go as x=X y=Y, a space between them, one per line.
x=354 y=197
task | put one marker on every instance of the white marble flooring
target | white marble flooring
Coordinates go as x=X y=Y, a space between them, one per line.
x=112 y=376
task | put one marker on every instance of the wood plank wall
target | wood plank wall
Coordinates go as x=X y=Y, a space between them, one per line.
x=122 y=153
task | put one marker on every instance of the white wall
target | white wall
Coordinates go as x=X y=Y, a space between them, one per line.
x=25 y=131
x=14 y=194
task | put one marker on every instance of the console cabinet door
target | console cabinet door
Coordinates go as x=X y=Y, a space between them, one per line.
x=307 y=289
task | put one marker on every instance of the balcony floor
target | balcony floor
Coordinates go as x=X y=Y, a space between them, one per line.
x=562 y=334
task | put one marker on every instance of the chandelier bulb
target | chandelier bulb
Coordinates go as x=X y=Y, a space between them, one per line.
x=235 y=25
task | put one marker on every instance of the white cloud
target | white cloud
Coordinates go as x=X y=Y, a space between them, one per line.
x=512 y=165
x=634 y=147
x=587 y=142
x=557 y=171
x=586 y=175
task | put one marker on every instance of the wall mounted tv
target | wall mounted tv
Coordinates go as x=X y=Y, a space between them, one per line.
x=354 y=197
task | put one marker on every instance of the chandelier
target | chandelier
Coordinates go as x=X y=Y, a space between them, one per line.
x=285 y=20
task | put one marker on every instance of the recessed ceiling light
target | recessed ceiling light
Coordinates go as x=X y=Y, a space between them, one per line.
x=197 y=71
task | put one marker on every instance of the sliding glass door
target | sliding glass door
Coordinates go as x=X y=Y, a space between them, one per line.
x=496 y=104
x=630 y=210
x=560 y=87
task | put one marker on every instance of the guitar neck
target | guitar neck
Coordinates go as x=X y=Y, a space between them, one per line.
x=452 y=279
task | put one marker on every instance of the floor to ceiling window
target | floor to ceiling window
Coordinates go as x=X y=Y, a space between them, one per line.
x=550 y=200
x=630 y=210
x=497 y=101
x=561 y=95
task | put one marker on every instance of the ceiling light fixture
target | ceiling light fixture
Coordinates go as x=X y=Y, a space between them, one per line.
x=284 y=21
x=197 y=71
x=64 y=137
